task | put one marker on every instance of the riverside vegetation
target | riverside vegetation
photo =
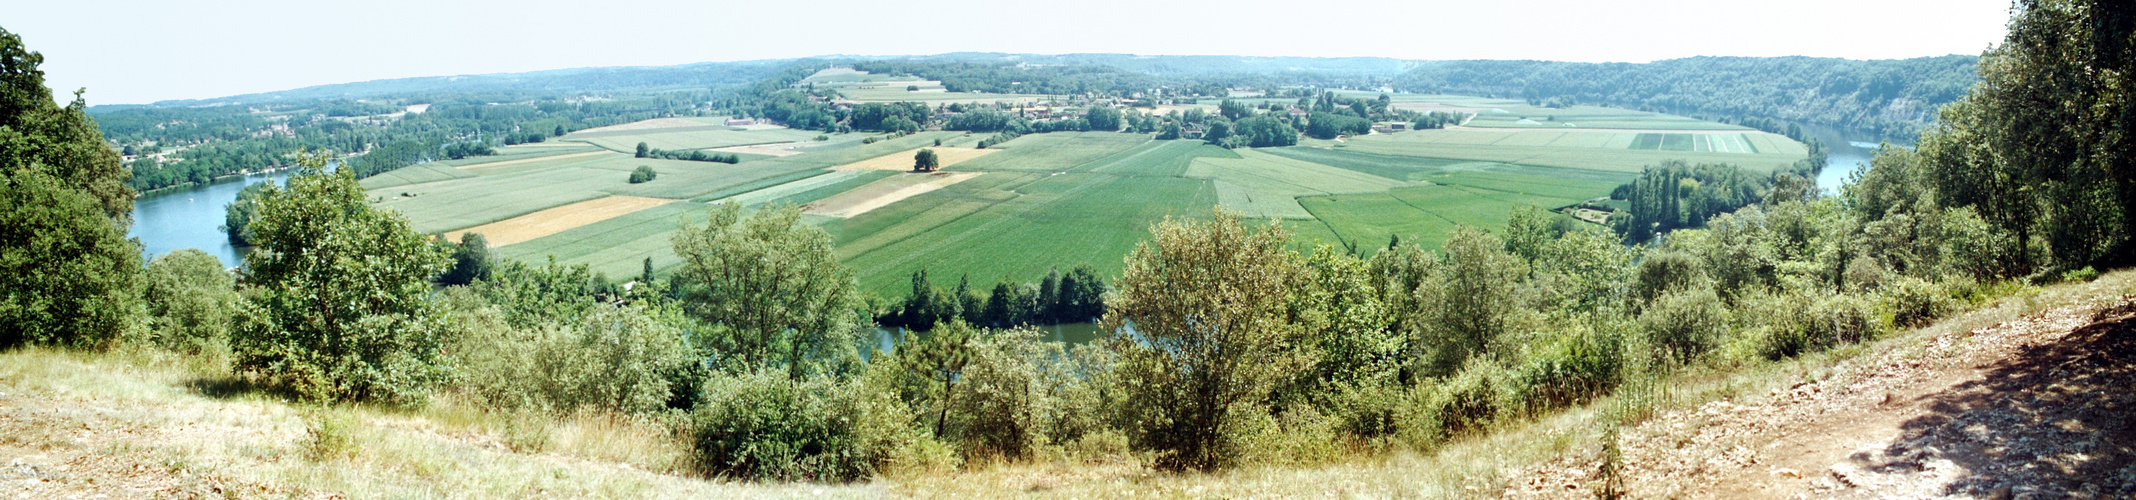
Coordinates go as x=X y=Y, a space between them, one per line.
x=1227 y=347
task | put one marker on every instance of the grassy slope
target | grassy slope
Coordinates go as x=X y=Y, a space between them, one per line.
x=127 y=425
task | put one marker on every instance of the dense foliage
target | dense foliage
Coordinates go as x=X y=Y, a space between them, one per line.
x=68 y=275
x=2042 y=149
x=341 y=310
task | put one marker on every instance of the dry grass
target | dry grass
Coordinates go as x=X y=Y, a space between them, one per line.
x=885 y=191
x=557 y=220
x=902 y=161
x=76 y=425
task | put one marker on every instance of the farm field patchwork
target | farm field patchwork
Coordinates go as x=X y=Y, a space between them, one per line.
x=616 y=247
x=885 y=191
x=1263 y=185
x=1051 y=200
x=428 y=172
x=903 y=160
x=1586 y=150
x=554 y=220
x=687 y=138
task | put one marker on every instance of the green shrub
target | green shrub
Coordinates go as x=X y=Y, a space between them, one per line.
x=1367 y=412
x=1572 y=368
x=1845 y=319
x=2085 y=274
x=616 y=359
x=1002 y=407
x=190 y=300
x=643 y=174
x=1465 y=403
x=1683 y=325
x=1298 y=435
x=1916 y=302
x=766 y=426
x=1662 y=272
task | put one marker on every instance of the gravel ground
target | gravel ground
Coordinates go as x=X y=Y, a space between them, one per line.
x=2037 y=407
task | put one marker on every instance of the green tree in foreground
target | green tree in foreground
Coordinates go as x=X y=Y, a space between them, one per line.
x=1207 y=302
x=341 y=312
x=925 y=161
x=775 y=286
x=643 y=174
x=68 y=275
x=190 y=301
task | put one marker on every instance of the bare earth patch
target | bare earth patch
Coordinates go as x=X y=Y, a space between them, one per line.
x=2036 y=407
x=556 y=220
x=883 y=192
x=494 y=164
x=902 y=161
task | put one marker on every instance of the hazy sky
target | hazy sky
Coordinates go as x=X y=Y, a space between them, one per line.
x=144 y=51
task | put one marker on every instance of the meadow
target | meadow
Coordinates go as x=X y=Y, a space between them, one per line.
x=1041 y=201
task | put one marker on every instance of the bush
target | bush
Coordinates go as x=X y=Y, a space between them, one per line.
x=1436 y=411
x=1845 y=319
x=643 y=174
x=1683 y=325
x=1002 y=407
x=190 y=300
x=765 y=426
x=1917 y=302
x=1572 y=368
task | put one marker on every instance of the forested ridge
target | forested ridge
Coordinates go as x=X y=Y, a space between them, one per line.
x=1894 y=98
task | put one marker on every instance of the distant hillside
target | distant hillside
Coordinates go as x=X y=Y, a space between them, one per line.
x=1894 y=98
x=1188 y=65
x=609 y=79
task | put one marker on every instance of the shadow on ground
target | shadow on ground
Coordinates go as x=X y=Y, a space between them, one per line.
x=2055 y=421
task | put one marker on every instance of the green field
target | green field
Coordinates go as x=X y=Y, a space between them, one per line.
x=685 y=138
x=1063 y=199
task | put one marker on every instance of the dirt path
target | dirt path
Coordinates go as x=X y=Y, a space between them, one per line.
x=2037 y=407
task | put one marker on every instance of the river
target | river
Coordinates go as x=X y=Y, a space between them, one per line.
x=189 y=217
x=1846 y=152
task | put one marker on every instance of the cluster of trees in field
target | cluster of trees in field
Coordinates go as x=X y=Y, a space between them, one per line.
x=1075 y=297
x=199 y=144
x=646 y=151
x=1892 y=98
x=1225 y=346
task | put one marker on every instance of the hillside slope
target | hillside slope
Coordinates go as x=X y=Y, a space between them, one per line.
x=2023 y=398
x=2029 y=399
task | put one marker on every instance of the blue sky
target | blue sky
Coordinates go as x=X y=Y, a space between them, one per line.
x=142 y=51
